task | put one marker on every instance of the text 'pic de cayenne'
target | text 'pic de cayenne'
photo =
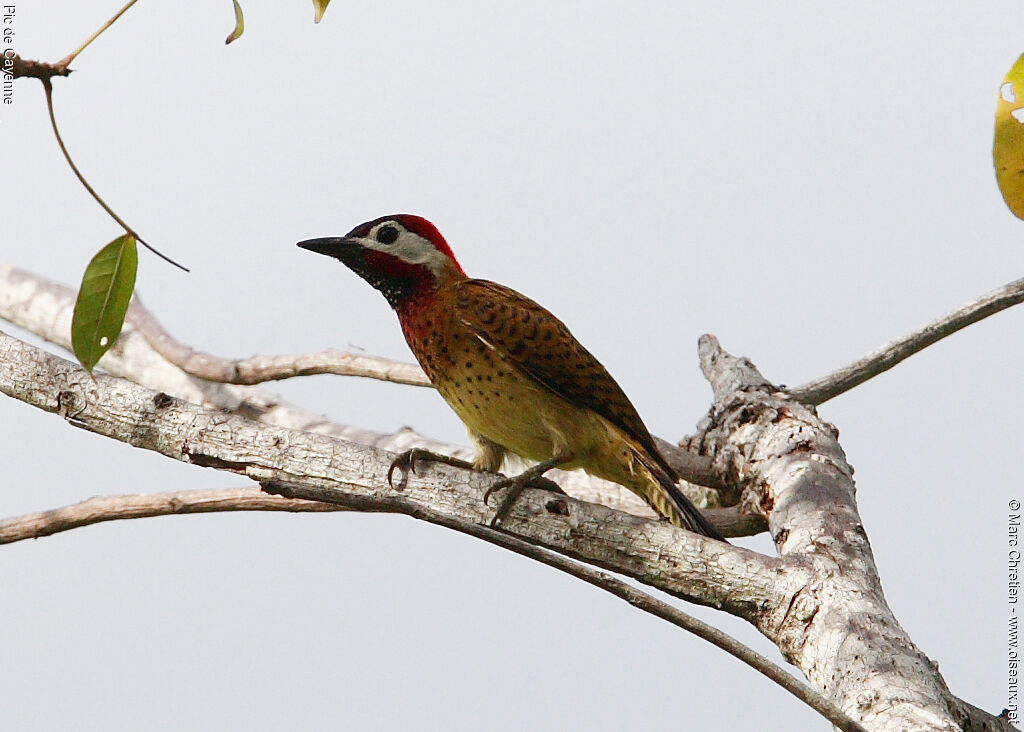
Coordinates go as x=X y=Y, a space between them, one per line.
x=510 y=369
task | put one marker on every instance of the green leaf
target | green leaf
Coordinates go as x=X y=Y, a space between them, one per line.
x=239 y=24
x=107 y=286
x=319 y=8
x=1008 y=147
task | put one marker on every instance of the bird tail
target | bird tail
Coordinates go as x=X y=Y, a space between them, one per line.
x=668 y=500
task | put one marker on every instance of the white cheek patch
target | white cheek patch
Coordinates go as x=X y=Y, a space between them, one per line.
x=413 y=249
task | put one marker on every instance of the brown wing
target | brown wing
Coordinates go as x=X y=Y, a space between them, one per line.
x=536 y=341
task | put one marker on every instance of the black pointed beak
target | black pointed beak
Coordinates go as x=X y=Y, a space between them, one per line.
x=339 y=247
x=351 y=251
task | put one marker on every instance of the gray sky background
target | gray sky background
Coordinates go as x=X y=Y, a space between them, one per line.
x=804 y=180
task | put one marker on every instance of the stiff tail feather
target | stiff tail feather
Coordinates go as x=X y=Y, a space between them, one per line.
x=670 y=502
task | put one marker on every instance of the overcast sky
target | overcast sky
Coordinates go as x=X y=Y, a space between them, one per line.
x=806 y=181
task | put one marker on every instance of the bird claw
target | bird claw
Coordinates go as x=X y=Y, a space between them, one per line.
x=497 y=486
x=406 y=461
x=535 y=481
x=530 y=478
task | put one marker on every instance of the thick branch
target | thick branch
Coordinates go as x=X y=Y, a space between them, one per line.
x=654 y=552
x=100 y=509
x=821 y=390
x=837 y=627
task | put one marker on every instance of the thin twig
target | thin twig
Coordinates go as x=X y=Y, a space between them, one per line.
x=48 y=88
x=21 y=67
x=821 y=390
x=113 y=508
x=66 y=61
x=259 y=369
x=640 y=600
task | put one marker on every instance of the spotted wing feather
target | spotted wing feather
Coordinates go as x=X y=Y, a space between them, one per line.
x=536 y=341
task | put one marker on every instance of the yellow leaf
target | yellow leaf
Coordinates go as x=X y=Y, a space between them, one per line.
x=319 y=7
x=1008 y=148
x=239 y=24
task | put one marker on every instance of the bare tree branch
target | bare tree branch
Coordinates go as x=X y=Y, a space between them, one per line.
x=651 y=551
x=146 y=505
x=113 y=508
x=838 y=629
x=821 y=390
x=258 y=369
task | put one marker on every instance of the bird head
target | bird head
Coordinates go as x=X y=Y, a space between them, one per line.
x=401 y=255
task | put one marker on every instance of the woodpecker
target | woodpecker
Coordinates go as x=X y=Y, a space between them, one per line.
x=510 y=369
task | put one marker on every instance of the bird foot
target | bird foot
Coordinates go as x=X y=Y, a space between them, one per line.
x=406 y=461
x=532 y=477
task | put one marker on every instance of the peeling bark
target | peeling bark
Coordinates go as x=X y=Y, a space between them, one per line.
x=836 y=628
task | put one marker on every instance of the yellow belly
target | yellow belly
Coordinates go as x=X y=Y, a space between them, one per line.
x=508 y=409
x=532 y=422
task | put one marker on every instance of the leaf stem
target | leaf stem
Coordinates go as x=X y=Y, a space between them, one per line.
x=48 y=88
x=66 y=61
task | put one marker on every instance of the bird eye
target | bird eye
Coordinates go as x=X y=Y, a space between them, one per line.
x=387 y=234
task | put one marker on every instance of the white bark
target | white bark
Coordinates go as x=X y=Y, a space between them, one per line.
x=652 y=551
x=837 y=627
